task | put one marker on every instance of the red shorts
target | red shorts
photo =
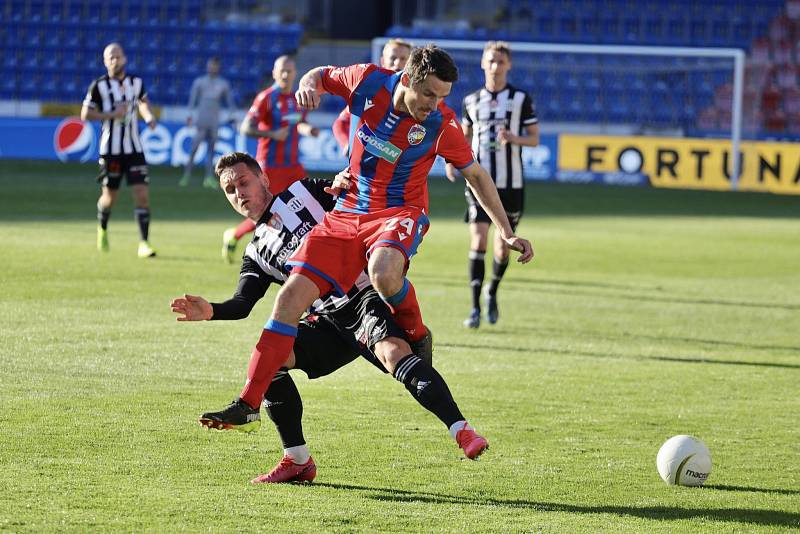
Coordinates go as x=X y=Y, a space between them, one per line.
x=280 y=178
x=337 y=249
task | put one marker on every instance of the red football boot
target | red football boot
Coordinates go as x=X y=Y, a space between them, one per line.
x=473 y=443
x=288 y=471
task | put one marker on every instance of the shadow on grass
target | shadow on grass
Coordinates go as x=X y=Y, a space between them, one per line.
x=588 y=354
x=540 y=286
x=753 y=516
x=724 y=487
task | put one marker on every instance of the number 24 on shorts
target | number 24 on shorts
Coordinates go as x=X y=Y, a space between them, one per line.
x=407 y=224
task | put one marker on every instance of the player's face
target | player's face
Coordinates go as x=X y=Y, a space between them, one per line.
x=212 y=67
x=246 y=191
x=423 y=98
x=284 y=74
x=114 y=59
x=495 y=64
x=394 y=57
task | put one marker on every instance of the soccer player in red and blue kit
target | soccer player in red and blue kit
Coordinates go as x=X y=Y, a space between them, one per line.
x=277 y=122
x=400 y=124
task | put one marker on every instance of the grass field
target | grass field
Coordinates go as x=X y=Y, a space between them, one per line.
x=646 y=313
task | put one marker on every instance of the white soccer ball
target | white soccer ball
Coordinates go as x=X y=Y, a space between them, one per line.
x=684 y=461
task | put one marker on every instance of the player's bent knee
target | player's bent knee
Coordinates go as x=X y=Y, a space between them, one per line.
x=294 y=298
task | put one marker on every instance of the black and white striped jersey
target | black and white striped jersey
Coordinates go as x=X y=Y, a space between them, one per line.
x=281 y=230
x=487 y=112
x=118 y=136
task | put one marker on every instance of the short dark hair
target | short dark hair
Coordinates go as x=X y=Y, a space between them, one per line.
x=230 y=159
x=431 y=59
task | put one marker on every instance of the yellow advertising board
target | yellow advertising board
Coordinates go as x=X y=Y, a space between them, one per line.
x=683 y=163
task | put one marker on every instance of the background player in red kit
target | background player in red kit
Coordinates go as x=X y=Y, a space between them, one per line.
x=278 y=122
x=394 y=57
x=400 y=125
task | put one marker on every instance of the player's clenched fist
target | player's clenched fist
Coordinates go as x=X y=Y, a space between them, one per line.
x=307 y=97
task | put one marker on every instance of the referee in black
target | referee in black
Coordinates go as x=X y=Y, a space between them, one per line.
x=499 y=119
x=114 y=98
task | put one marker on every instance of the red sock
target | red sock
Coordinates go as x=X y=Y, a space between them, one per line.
x=245 y=227
x=406 y=312
x=270 y=354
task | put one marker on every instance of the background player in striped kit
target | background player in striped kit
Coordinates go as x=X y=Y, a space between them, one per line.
x=499 y=120
x=206 y=99
x=277 y=121
x=114 y=98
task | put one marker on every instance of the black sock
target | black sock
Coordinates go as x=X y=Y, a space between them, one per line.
x=143 y=218
x=498 y=270
x=102 y=216
x=284 y=406
x=476 y=275
x=428 y=388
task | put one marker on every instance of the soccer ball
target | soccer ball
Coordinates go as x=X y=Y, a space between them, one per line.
x=684 y=461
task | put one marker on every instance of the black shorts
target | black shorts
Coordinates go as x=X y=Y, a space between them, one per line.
x=513 y=202
x=112 y=168
x=327 y=342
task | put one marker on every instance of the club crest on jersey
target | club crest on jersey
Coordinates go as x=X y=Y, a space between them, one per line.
x=296 y=204
x=377 y=147
x=275 y=223
x=416 y=134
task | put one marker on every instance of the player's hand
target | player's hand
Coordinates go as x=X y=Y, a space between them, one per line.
x=152 y=124
x=307 y=97
x=341 y=182
x=504 y=136
x=523 y=246
x=281 y=134
x=450 y=172
x=120 y=110
x=314 y=131
x=192 y=308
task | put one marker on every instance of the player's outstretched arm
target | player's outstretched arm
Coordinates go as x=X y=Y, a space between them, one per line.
x=192 y=308
x=485 y=191
x=309 y=89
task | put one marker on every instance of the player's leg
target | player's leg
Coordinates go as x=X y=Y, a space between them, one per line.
x=187 y=171
x=513 y=203
x=318 y=351
x=430 y=390
x=478 y=221
x=136 y=171
x=393 y=239
x=209 y=178
x=109 y=178
x=106 y=201
x=231 y=237
x=478 y=236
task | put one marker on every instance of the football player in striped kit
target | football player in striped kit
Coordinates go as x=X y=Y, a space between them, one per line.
x=499 y=119
x=340 y=328
x=114 y=99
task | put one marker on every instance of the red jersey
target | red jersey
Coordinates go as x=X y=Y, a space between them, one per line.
x=390 y=152
x=341 y=129
x=274 y=110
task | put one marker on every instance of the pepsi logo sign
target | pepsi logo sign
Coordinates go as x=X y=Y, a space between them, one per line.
x=74 y=140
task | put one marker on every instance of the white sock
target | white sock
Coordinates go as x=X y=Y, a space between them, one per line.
x=298 y=454
x=459 y=425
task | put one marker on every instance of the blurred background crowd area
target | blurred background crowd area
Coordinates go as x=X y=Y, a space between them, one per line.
x=51 y=50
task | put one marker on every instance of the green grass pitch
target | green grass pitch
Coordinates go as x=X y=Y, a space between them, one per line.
x=646 y=313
